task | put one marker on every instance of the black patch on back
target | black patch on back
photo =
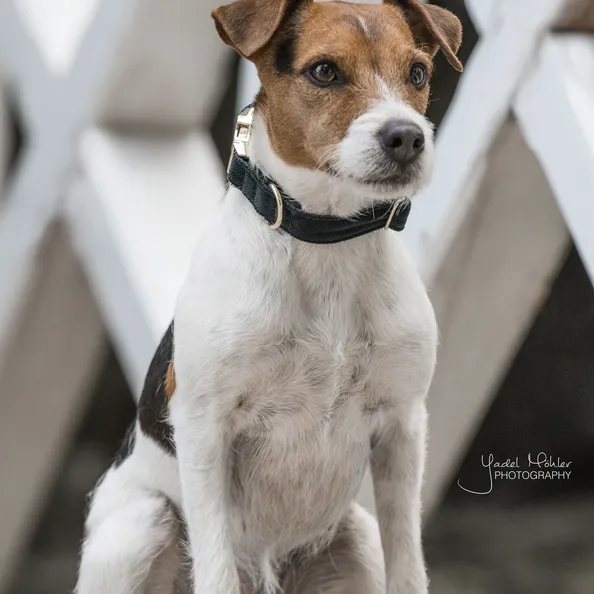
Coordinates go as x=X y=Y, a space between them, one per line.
x=153 y=406
x=127 y=446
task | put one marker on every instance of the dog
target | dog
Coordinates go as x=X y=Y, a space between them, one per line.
x=303 y=342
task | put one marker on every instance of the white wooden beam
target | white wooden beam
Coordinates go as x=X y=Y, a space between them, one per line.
x=554 y=109
x=57 y=28
x=556 y=113
x=489 y=287
x=478 y=110
x=44 y=380
x=135 y=216
x=54 y=110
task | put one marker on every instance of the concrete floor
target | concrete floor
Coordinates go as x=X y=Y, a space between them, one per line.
x=544 y=548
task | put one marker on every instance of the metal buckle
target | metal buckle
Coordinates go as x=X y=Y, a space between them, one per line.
x=279 y=207
x=243 y=132
x=392 y=213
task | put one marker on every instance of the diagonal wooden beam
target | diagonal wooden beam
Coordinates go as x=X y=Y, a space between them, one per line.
x=478 y=110
x=135 y=215
x=54 y=110
x=555 y=102
x=486 y=293
x=555 y=109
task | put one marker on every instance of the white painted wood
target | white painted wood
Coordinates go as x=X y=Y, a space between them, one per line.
x=22 y=63
x=556 y=112
x=490 y=285
x=480 y=106
x=55 y=109
x=135 y=217
x=487 y=12
x=57 y=28
x=43 y=385
x=555 y=108
x=247 y=85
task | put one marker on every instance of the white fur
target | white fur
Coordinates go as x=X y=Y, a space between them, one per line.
x=290 y=358
x=364 y=25
x=130 y=524
x=360 y=148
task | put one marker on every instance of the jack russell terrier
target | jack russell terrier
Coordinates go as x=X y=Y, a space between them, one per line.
x=303 y=342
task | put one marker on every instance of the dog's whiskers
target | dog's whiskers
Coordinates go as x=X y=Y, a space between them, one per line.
x=328 y=159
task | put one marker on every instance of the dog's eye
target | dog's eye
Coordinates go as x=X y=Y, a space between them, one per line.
x=418 y=75
x=324 y=74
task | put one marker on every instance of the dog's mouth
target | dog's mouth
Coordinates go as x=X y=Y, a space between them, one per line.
x=386 y=179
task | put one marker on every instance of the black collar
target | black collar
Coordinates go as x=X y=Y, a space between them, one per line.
x=281 y=211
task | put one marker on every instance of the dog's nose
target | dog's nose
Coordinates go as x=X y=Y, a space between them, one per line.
x=403 y=141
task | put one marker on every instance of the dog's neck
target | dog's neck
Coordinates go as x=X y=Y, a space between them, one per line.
x=317 y=191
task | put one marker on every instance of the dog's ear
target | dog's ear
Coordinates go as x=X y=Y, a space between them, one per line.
x=248 y=25
x=434 y=28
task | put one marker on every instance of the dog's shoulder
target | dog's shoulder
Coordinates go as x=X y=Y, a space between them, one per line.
x=402 y=322
x=399 y=303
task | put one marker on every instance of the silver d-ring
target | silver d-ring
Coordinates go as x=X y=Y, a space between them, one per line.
x=392 y=213
x=279 y=207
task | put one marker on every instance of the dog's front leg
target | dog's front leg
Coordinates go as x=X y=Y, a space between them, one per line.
x=397 y=461
x=202 y=446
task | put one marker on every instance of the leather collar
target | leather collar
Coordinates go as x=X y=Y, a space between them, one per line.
x=280 y=211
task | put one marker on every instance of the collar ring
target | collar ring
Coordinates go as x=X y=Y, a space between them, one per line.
x=392 y=213
x=279 y=206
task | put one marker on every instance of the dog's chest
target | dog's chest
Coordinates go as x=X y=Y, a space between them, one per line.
x=302 y=449
x=310 y=346
x=313 y=374
x=303 y=425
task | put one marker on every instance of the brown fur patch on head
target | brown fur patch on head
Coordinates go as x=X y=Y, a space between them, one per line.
x=374 y=46
x=367 y=42
x=170 y=382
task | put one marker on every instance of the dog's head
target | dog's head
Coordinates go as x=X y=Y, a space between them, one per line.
x=345 y=86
